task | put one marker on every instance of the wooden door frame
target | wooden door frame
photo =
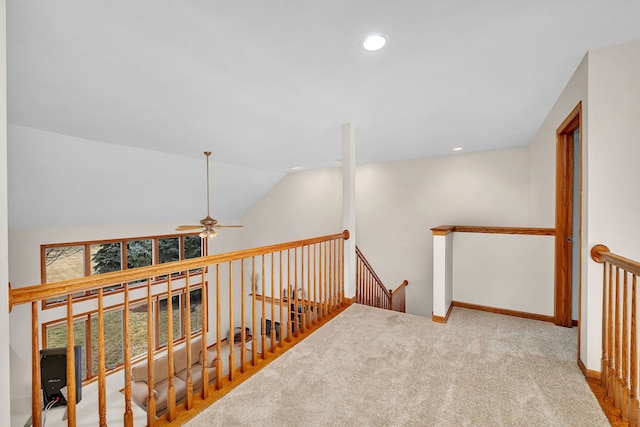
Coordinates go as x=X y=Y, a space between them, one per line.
x=564 y=215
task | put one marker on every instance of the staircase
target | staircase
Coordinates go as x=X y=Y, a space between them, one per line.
x=371 y=291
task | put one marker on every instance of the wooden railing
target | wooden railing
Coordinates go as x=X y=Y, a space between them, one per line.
x=489 y=286
x=371 y=291
x=619 y=370
x=298 y=285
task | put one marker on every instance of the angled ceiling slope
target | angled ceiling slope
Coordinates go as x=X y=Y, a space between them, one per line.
x=267 y=84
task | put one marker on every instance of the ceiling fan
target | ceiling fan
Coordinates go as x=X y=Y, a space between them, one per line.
x=208 y=224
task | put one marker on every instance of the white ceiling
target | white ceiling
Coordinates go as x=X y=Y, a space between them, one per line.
x=267 y=84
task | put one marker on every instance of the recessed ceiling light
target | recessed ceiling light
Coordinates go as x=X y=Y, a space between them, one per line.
x=295 y=168
x=374 y=42
x=457 y=149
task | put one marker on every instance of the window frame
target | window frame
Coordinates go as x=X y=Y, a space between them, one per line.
x=87 y=295
x=86 y=317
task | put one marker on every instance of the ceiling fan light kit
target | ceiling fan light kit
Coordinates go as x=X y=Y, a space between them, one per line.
x=209 y=224
x=208 y=234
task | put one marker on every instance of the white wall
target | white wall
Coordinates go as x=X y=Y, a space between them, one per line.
x=5 y=413
x=396 y=205
x=542 y=149
x=302 y=205
x=613 y=174
x=509 y=271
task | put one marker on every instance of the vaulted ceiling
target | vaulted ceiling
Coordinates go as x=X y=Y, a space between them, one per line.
x=267 y=84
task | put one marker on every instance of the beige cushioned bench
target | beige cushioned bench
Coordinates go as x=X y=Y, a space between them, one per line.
x=140 y=375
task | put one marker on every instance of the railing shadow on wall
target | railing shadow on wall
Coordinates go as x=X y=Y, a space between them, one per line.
x=273 y=297
x=619 y=364
x=372 y=292
x=506 y=270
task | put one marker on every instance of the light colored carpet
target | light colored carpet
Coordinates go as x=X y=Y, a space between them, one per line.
x=373 y=367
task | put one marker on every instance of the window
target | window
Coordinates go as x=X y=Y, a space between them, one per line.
x=163 y=319
x=56 y=336
x=113 y=341
x=79 y=259
x=85 y=327
x=168 y=249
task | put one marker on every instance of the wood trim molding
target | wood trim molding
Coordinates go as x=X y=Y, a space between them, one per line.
x=588 y=373
x=515 y=313
x=440 y=319
x=443 y=230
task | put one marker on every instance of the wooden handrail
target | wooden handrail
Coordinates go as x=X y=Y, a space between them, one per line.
x=314 y=266
x=44 y=291
x=619 y=362
x=400 y=287
x=601 y=254
x=534 y=231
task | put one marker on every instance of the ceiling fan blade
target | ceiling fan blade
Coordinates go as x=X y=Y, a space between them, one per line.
x=228 y=226
x=188 y=227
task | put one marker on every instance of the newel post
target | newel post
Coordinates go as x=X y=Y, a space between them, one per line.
x=442 y=272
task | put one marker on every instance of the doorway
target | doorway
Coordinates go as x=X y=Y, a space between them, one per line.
x=568 y=219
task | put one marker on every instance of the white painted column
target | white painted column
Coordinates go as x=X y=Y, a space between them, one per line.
x=442 y=274
x=5 y=403
x=349 y=207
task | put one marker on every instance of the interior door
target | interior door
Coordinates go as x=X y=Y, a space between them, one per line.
x=567 y=190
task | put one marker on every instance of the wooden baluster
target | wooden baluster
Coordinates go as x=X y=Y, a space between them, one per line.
x=128 y=411
x=71 y=366
x=332 y=301
x=317 y=268
x=358 y=276
x=289 y=298
x=218 y=332
x=611 y=350
x=308 y=298
x=301 y=307
x=272 y=331
x=325 y=272
x=296 y=294
x=232 y=341
x=243 y=335
x=341 y=270
x=102 y=378
x=188 y=403
x=338 y=279
x=624 y=400
x=254 y=346
x=617 y=345
x=604 y=363
x=204 y=323
x=321 y=312
x=370 y=287
x=171 y=390
x=263 y=321
x=36 y=380
x=634 y=404
x=314 y=297
x=151 y=398
x=363 y=278
x=282 y=301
